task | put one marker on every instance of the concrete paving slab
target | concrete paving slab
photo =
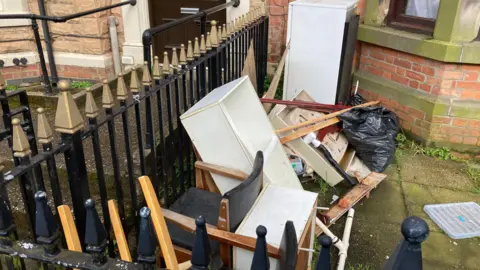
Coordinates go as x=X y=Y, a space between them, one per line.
x=429 y=171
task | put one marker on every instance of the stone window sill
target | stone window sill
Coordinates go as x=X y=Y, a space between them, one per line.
x=421 y=45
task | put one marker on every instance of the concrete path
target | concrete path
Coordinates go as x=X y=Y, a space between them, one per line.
x=413 y=181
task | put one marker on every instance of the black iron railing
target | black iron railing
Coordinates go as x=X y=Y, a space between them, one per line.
x=57 y=19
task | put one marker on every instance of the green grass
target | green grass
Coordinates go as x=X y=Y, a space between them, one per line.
x=359 y=266
x=474 y=174
x=81 y=84
x=268 y=81
x=11 y=87
x=322 y=185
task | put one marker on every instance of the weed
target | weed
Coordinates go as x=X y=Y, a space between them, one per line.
x=268 y=81
x=474 y=174
x=441 y=153
x=322 y=185
x=81 y=84
x=11 y=87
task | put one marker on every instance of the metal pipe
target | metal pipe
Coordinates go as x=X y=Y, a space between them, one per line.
x=38 y=41
x=346 y=240
x=112 y=22
x=67 y=17
x=48 y=44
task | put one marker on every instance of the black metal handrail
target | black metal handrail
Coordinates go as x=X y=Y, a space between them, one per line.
x=60 y=19
x=56 y=19
x=148 y=34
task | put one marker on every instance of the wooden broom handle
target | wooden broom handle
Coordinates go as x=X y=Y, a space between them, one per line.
x=324 y=117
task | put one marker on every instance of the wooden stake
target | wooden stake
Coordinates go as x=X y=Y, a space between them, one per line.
x=118 y=230
x=304 y=131
x=272 y=89
x=69 y=228
x=159 y=223
x=324 y=117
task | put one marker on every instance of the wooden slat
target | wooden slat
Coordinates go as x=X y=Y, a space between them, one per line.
x=250 y=68
x=245 y=242
x=352 y=197
x=272 y=89
x=323 y=117
x=118 y=231
x=159 y=223
x=69 y=228
x=224 y=224
x=220 y=170
x=304 y=131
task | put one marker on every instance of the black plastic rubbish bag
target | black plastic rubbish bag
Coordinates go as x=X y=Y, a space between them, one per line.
x=356 y=100
x=372 y=132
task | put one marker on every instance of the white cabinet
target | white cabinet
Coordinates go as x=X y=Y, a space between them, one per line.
x=228 y=127
x=316 y=31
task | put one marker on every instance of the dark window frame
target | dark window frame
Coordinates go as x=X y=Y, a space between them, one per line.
x=397 y=18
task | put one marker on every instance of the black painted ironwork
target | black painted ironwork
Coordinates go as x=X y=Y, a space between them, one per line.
x=201 y=247
x=324 y=256
x=408 y=254
x=260 y=256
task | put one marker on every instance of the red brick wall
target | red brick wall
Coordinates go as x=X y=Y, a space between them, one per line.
x=71 y=72
x=438 y=79
x=278 y=10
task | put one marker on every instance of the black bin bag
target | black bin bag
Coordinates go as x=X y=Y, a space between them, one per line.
x=372 y=132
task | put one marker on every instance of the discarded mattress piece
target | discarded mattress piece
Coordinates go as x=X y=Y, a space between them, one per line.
x=228 y=126
x=458 y=220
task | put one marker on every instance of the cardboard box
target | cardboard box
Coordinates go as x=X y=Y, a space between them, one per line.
x=280 y=117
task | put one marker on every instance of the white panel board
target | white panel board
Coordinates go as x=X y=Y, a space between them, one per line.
x=274 y=207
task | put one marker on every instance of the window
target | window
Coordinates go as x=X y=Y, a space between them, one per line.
x=413 y=15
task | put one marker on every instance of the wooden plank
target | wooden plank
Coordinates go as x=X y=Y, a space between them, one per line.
x=302 y=259
x=159 y=223
x=221 y=170
x=352 y=197
x=323 y=117
x=272 y=89
x=245 y=242
x=69 y=228
x=304 y=131
x=118 y=231
x=224 y=224
x=250 y=68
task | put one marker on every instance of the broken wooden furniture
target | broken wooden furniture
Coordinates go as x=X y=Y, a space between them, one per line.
x=228 y=127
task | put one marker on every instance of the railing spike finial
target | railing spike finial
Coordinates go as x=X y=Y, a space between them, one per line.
x=224 y=32
x=196 y=48
x=260 y=255
x=166 y=64
x=21 y=147
x=183 y=55
x=203 y=46
x=213 y=35
x=44 y=131
x=190 y=53
x=147 y=241
x=46 y=226
x=229 y=29
x=67 y=117
x=95 y=233
x=107 y=98
x=208 y=42
x=91 y=109
x=156 y=73
x=324 y=256
x=147 y=79
x=134 y=82
x=219 y=34
x=201 y=246
x=122 y=91
x=175 y=62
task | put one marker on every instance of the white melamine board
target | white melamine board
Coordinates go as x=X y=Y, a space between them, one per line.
x=315 y=32
x=273 y=208
x=228 y=127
